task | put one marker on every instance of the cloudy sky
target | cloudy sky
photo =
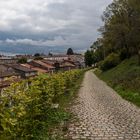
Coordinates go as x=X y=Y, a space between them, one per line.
x=28 y=26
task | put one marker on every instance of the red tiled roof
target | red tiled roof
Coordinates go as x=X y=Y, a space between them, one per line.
x=50 y=62
x=57 y=55
x=8 y=74
x=67 y=64
x=44 y=64
x=40 y=70
x=35 y=68
x=21 y=68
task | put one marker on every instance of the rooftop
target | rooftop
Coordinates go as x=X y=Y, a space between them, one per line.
x=34 y=68
x=44 y=64
x=7 y=74
x=22 y=68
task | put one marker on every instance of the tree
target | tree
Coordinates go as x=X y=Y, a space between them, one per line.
x=50 y=54
x=38 y=58
x=70 y=51
x=22 y=60
x=37 y=54
x=89 y=58
x=121 y=28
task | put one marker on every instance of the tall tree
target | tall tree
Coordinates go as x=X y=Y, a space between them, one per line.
x=121 y=30
x=89 y=58
x=70 y=51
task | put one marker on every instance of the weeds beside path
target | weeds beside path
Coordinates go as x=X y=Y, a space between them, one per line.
x=125 y=79
x=102 y=114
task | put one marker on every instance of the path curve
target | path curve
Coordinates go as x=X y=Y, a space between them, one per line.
x=102 y=114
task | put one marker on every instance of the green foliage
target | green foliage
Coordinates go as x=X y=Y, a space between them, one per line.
x=129 y=95
x=124 y=54
x=96 y=53
x=38 y=58
x=125 y=79
x=89 y=58
x=120 y=32
x=22 y=60
x=110 y=61
x=26 y=108
x=70 y=51
x=37 y=54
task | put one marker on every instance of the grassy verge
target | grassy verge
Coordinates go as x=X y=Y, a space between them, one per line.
x=59 y=118
x=125 y=79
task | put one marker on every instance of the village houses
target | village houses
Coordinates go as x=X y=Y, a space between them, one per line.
x=13 y=71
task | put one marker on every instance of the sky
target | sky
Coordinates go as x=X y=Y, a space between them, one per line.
x=30 y=26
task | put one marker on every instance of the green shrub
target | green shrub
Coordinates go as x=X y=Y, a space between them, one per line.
x=22 y=60
x=124 y=54
x=110 y=61
x=125 y=79
x=25 y=107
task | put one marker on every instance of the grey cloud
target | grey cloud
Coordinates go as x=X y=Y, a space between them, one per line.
x=58 y=23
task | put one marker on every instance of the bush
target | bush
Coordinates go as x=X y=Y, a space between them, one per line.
x=110 y=61
x=124 y=54
x=38 y=58
x=25 y=107
x=22 y=60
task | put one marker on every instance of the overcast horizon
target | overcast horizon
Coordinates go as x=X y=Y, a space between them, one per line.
x=31 y=26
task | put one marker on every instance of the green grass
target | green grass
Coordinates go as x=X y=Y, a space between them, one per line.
x=60 y=117
x=125 y=79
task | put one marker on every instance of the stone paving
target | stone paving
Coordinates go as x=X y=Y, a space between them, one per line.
x=101 y=114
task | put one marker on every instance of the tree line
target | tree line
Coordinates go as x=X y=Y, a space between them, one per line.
x=120 y=34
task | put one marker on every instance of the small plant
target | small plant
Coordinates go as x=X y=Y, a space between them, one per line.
x=110 y=61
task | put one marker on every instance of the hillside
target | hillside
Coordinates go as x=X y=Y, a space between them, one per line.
x=125 y=79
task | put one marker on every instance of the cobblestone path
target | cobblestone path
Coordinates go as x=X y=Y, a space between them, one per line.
x=102 y=114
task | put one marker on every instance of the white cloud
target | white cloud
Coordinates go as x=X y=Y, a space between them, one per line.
x=25 y=42
x=56 y=41
x=71 y=22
